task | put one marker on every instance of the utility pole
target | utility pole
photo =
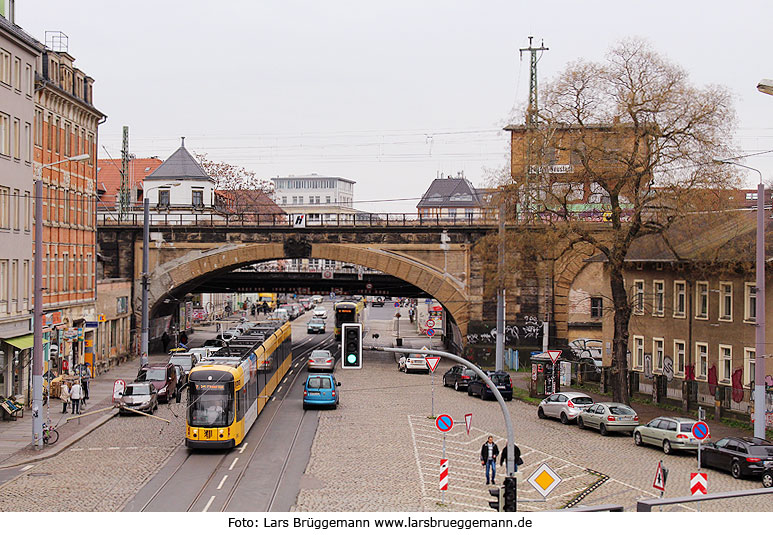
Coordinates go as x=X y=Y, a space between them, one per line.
x=532 y=110
x=533 y=162
x=123 y=206
x=500 y=347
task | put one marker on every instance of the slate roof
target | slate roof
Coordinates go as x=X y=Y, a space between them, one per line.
x=20 y=34
x=453 y=192
x=181 y=165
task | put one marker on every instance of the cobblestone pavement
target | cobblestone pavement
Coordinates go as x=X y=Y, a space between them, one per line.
x=379 y=451
x=101 y=471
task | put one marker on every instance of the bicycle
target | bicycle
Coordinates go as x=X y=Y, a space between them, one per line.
x=50 y=434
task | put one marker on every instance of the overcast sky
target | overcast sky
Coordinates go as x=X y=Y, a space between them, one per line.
x=388 y=94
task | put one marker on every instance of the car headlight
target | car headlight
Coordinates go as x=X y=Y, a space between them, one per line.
x=162 y=391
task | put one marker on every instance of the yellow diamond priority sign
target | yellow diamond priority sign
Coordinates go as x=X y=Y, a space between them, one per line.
x=544 y=480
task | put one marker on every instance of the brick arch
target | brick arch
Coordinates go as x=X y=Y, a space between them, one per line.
x=566 y=268
x=187 y=269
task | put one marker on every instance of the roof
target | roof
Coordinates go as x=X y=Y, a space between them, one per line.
x=314 y=176
x=251 y=200
x=456 y=192
x=21 y=35
x=181 y=165
x=109 y=173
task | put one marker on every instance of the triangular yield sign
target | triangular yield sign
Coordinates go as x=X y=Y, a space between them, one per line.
x=554 y=354
x=659 y=483
x=432 y=362
x=468 y=422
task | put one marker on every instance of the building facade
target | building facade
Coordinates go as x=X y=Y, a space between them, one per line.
x=323 y=198
x=454 y=198
x=109 y=181
x=65 y=126
x=19 y=54
x=114 y=315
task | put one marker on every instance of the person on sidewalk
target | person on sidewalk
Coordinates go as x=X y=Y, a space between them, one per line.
x=518 y=460
x=488 y=458
x=76 y=393
x=64 y=395
x=165 y=340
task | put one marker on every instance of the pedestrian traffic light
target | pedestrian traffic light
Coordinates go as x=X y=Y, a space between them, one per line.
x=351 y=345
x=511 y=493
x=498 y=494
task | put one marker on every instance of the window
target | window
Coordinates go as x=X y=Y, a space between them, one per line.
x=452 y=212
x=679 y=357
x=57 y=137
x=596 y=307
x=27 y=142
x=25 y=285
x=163 y=196
x=17 y=74
x=89 y=272
x=122 y=305
x=54 y=280
x=16 y=138
x=16 y=209
x=680 y=292
x=702 y=300
x=65 y=272
x=90 y=148
x=67 y=134
x=300 y=199
x=750 y=302
x=327 y=199
x=38 y=127
x=749 y=357
x=725 y=363
x=14 y=286
x=702 y=351
x=638 y=297
x=284 y=200
x=638 y=352
x=725 y=301
x=197 y=198
x=657 y=353
x=3 y=285
x=659 y=297
x=5 y=67
x=5 y=207
x=28 y=83
x=5 y=134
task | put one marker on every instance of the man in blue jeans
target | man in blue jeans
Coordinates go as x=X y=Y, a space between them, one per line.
x=488 y=458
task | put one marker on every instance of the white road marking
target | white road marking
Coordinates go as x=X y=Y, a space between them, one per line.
x=233 y=463
x=95 y=449
x=132 y=448
x=26 y=468
x=244 y=446
x=206 y=507
x=220 y=486
x=114 y=448
x=76 y=449
x=278 y=389
x=284 y=381
x=297 y=364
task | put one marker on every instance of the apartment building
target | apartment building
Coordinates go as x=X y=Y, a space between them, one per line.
x=321 y=197
x=19 y=54
x=454 y=198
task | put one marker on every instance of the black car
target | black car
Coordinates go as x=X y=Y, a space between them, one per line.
x=458 y=377
x=476 y=386
x=740 y=456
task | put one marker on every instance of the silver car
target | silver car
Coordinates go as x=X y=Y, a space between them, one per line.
x=608 y=417
x=565 y=406
x=138 y=397
x=321 y=359
x=667 y=433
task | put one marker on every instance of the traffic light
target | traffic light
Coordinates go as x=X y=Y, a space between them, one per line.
x=511 y=493
x=498 y=494
x=351 y=346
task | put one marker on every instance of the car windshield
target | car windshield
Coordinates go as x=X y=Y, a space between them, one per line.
x=211 y=404
x=319 y=382
x=620 y=411
x=183 y=362
x=137 y=390
x=320 y=353
x=157 y=374
x=582 y=400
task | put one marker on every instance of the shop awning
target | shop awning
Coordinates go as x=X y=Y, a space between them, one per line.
x=20 y=342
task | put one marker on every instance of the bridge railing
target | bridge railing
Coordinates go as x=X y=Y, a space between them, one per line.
x=255 y=219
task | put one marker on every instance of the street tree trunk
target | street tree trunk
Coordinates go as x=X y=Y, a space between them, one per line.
x=621 y=319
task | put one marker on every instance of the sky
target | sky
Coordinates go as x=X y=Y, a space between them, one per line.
x=389 y=94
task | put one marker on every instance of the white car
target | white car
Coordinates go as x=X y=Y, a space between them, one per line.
x=200 y=353
x=412 y=363
x=320 y=312
x=321 y=359
x=316 y=299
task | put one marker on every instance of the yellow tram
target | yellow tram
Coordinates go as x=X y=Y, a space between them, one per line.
x=227 y=391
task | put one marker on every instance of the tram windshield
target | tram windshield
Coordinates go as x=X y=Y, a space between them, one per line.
x=211 y=404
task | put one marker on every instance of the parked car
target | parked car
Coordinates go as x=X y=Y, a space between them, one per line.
x=184 y=361
x=321 y=390
x=291 y=313
x=315 y=325
x=458 y=377
x=316 y=299
x=164 y=379
x=305 y=303
x=140 y=396
x=669 y=433
x=412 y=363
x=502 y=380
x=741 y=457
x=378 y=302
x=320 y=312
x=321 y=359
x=565 y=406
x=200 y=353
x=298 y=309
x=608 y=417
x=280 y=314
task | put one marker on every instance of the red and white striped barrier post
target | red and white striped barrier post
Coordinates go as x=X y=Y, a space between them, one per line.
x=443 y=479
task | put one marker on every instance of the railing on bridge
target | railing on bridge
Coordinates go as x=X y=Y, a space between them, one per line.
x=254 y=219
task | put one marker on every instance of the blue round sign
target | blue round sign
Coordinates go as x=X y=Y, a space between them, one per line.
x=444 y=423
x=430 y=332
x=397 y=304
x=700 y=430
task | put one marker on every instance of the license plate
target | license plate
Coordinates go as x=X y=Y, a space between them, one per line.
x=313 y=393
x=501 y=387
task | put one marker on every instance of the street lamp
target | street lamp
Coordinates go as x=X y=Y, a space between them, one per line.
x=37 y=333
x=759 y=347
x=145 y=262
x=765 y=86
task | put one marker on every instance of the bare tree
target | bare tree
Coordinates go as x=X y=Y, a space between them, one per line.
x=233 y=177
x=632 y=139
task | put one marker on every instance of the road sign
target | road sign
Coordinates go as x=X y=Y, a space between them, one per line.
x=444 y=423
x=397 y=304
x=430 y=324
x=101 y=318
x=118 y=387
x=327 y=274
x=544 y=480
x=368 y=286
x=299 y=221
x=430 y=332
x=699 y=483
x=700 y=430
x=468 y=422
x=432 y=362
x=554 y=354
x=660 y=479
x=443 y=474
x=607 y=216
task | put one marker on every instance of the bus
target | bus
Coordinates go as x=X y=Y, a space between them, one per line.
x=269 y=299
x=228 y=390
x=346 y=312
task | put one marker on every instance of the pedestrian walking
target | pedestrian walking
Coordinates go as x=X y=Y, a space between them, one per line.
x=76 y=393
x=253 y=310
x=165 y=340
x=85 y=386
x=488 y=458
x=64 y=395
x=184 y=338
x=518 y=460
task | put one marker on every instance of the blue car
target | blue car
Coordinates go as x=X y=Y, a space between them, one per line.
x=320 y=390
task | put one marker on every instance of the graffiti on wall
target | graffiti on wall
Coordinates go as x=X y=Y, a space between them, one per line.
x=529 y=332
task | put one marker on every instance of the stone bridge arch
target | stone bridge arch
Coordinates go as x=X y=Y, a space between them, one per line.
x=194 y=266
x=566 y=268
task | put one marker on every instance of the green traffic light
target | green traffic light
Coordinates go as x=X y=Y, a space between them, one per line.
x=351 y=358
